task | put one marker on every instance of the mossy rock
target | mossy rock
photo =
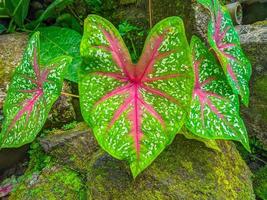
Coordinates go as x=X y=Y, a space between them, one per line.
x=63 y=111
x=52 y=183
x=260 y=183
x=254 y=43
x=74 y=147
x=261 y=23
x=185 y=170
x=11 y=48
x=162 y=9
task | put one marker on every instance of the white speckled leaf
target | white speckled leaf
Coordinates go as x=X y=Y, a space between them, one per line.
x=224 y=40
x=135 y=110
x=33 y=90
x=215 y=108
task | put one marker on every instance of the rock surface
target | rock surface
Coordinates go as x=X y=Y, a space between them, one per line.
x=200 y=18
x=63 y=110
x=253 y=39
x=185 y=170
x=11 y=48
x=260 y=183
x=254 y=42
x=56 y=183
x=162 y=9
x=74 y=147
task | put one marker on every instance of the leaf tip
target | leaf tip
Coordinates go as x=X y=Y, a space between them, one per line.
x=135 y=171
x=245 y=100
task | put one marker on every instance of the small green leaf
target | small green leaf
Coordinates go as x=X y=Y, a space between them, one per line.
x=215 y=108
x=4 y=12
x=2 y=28
x=18 y=10
x=67 y=20
x=56 y=42
x=224 y=40
x=56 y=4
x=33 y=90
x=135 y=110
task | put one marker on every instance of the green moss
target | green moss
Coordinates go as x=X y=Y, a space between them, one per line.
x=186 y=170
x=260 y=183
x=260 y=87
x=38 y=159
x=45 y=179
x=74 y=126
x=69 y=126
x=73 y=147
x=261 y=23
x=162 y=9
x=53 y=183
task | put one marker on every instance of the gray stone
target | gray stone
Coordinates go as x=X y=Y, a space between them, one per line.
x=253 y=39
x=254 y=43
x=199 y=20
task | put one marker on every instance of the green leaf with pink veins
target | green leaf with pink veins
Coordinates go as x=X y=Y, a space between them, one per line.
x=33 y=90
x=135 y=110
x=215 y=108
x=224 y=40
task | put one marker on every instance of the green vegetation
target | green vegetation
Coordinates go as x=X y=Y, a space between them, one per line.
x=260 y=183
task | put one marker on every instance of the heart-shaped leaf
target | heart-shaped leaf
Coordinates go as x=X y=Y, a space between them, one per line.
x=215 y=108
x=32 y=92
x=135 y=110
x=224 y=40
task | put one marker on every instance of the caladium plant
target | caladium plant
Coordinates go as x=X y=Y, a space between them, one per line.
x=215 y=108
x=135 y=110
x=224 y=40
x=32 y=92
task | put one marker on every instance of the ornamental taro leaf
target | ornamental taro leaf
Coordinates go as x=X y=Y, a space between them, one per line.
x=224 y=40
x=215 y=108
x=32 y=92
x=135 y=110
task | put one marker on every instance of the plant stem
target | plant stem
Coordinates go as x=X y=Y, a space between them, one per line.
x=259 y=159
x=75 y=15
x=150 y=13
x=10 y=25
x=13 y=14
x=70 y=95
x=135 y=53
